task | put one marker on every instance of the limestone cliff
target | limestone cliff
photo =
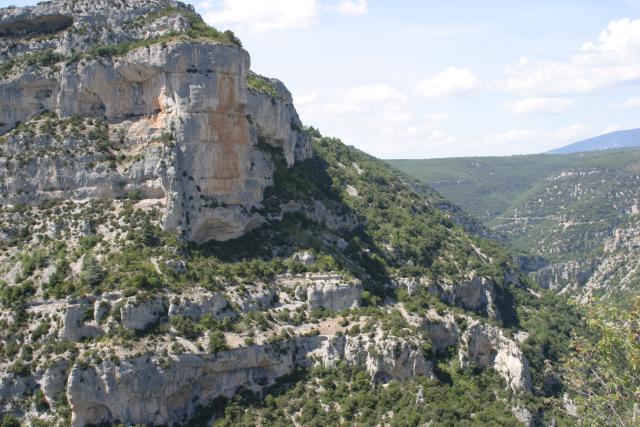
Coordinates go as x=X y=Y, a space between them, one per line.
x=177 y=114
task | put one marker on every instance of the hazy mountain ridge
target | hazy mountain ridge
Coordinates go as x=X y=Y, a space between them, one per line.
x=614 y=140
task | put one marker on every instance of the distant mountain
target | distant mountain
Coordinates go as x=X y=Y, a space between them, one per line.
x=620 y=139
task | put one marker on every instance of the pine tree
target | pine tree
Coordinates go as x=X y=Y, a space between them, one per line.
x=147 y=234
x=91 y=273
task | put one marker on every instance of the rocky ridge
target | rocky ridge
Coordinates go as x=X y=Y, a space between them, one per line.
x=168 y=390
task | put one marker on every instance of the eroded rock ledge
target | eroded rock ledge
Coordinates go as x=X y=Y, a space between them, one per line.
x=142 y=391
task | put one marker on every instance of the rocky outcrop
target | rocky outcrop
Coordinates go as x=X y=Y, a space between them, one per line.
x=197 y=305
x=523 y=415
x=344 y=222
x=530 y=264
x=252 y=298
x=481 y=344
x=101 y=309
x=566 y=276
x=306 y=258
x=477 y=294
x=331 y=294
x=442 y=331
x=385 y=358
x=80 y=24
x=487 y=346
x=54 y=381
x=619 y=266
x=141 y=391
x=25 y=22
x=168 y=389
x=15 y=385
x=145 y=389
x=75 y=327
x=388 y=359
x=275 y=120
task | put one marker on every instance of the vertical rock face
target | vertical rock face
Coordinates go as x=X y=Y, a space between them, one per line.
x=566 y=276
x=182 y=108
x=142 y=390
x=486 y=345
x=333 y=295
x=140 y=315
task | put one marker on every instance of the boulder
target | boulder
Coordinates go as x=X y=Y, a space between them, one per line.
x=306 y=258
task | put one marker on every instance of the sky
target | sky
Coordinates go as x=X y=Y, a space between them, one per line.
x=427 y=79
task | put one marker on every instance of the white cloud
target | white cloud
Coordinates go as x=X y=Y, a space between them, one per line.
x=305 y=99
x=260 y=15
x=381 y=97
x=306 y=104
x=397 y=116
x=375 y=93
x=351 y=7
x=415 y=144
x=610 y=61
x=452 y=81
x=512 y=136
x=418 y=136
x=436 y=118
x=519 y=140
x=540 y=106
x=631 y=103
x=571 y=133
x=428 y=127
x=612 y=128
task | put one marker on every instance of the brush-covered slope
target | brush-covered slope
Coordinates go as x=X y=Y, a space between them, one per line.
x=379 y=288
x=489 y=187
x=176 y=249
x=566 y=209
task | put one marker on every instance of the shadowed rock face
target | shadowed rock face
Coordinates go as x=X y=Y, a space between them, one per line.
x=27 y=25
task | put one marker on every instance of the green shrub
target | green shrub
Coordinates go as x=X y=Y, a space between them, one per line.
x=186 y=327
x=217 y=342
x=40 y=330
x=262 y=84
x=9 y=421
x=32 y=262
